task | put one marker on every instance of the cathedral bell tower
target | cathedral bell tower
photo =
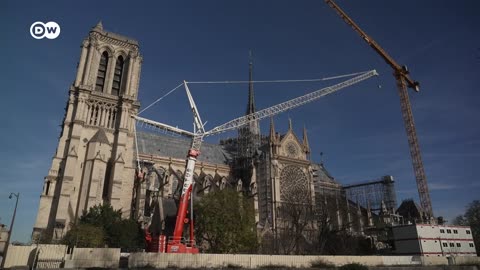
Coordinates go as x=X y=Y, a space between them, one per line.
x=93 y=163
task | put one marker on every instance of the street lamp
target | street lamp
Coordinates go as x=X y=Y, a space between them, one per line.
x=17 y=195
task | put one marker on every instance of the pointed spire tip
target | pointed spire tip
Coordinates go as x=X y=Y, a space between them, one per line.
x=99 y=25
x=251 y=95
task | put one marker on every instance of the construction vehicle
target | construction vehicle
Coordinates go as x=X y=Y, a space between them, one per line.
x=403 y=80
x=177 y=243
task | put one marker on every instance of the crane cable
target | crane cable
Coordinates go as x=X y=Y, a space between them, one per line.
x=281 y=81
x=263 y=81
x=162 y=97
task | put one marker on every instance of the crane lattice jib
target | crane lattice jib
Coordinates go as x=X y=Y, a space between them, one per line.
x=163 y=127
x=390 y=61
x=287 y=105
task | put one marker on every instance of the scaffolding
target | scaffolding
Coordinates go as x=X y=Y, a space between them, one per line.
x=372 y=194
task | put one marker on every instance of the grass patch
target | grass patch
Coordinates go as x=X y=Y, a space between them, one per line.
x=273 y=266
x=321 y=264
x=353 y=266
x=233 y=266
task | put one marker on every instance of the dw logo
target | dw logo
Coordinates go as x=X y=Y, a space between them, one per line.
x=50 y=30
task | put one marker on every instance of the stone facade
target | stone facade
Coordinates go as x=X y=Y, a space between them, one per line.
x=284 y=174
x=93 y=162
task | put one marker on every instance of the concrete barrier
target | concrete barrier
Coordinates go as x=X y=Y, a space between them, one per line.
x=434 y=261
x=54 y=255
x=93 y=257
x=159 y=260
x=401 y=260
x=466 y=260
x=48 y=256
x=18 y=256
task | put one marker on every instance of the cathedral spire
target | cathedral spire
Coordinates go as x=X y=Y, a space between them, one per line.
x=305 y=140
x=290 y=124
x=272 y=130
x=99 y=26
x=251 y=99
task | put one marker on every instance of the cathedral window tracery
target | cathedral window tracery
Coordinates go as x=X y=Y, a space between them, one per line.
x=102 y=73
x=292 y=149
x=101 y=113
x=117 y=76
x=293 y=184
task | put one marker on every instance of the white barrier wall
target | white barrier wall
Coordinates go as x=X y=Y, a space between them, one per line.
x=401 y=260
x=18 y=256
x=51 y=255
x=93 y=257
x=149 y=260
x=25 y=255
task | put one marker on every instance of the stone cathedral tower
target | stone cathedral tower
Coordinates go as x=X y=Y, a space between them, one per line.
x=93 y=163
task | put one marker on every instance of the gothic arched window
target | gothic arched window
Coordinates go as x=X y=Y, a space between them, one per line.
x=117 y=76
x=102 y=72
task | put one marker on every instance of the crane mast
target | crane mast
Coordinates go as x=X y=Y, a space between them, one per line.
x=403 y=82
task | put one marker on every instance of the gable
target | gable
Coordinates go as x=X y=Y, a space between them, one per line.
x=290 y=146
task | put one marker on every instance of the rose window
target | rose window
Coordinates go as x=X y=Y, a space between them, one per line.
x=293 y=183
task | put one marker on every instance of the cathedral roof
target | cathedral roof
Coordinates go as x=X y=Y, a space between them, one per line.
x=175 y=147
x=322 y=175
x=410 y=209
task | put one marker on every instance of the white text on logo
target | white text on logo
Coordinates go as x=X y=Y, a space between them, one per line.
x=50 y=30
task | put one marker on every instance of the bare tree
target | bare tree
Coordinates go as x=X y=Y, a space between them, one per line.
x=295 y=223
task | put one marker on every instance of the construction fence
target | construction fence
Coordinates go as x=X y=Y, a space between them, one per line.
x=59 y=256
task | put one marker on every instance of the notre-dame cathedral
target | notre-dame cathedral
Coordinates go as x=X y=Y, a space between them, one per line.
x=96 y=158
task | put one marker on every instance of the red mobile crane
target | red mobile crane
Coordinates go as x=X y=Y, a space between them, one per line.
x=177 y=243
x=403 y=81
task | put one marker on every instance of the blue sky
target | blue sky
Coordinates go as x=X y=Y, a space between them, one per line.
x=359 y=129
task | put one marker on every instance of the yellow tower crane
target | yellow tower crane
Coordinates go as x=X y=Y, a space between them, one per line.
x=403 y=81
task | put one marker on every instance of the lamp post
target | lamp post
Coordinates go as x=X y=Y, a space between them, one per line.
x=17 y=195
